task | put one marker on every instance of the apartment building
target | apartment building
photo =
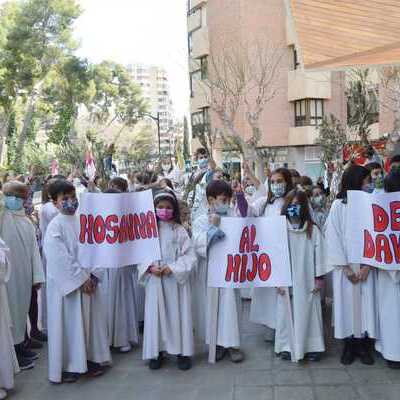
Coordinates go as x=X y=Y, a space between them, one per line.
x=290 y=120
x=153 y=81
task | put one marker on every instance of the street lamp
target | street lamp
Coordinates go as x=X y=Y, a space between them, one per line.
x=157 y=120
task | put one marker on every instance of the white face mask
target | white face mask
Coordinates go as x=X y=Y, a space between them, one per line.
x=166 y=167
x=250 y=190
x=77 y=182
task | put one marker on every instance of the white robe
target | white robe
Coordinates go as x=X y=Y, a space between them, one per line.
x=343 y=294
x=119 y=290
x=307 y=263
x=168 y=322
x=47 y=212
x=263 y=304
x=229 y=300
x=19 y=235
x=77 y=324
x=8 y=360
x=388 y=289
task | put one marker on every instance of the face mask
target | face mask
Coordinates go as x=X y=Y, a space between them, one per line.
x=69 y=207
x=166 y=167
x=250 y=190
x=13 y=203
x=76 y=182
x=368 y=188
x=164 y=214
x=221 y=208
x=278 y=189
x=318 y=201
x=203 y=163
x=378 y=181
x=293 y=210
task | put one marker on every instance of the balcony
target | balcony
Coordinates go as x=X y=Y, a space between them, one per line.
x=194 y=20
x=303 y=135
x=196 y=3
x=309 y=85
x=201 y=96
x=201 y=44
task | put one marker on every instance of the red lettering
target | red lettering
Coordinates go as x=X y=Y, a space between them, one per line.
x=123 y=230
x=243 y=269
x=244 y=246
x=264 y=267
x=99 y=230
x=369 y=246
x=251 y=275
x=131 y=227
x=381 y=218
x=253 y=233
x=396 y=247
x=142 y=226
x=383 y=246
x=152 y=229
x=233 y=268
x=110 y=221
x=86 y=229
x=395 y=215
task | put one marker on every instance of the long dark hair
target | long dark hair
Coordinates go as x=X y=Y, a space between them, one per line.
x=288 y=180
x=392 y=182
x=305 y=214
x=352 y=179
x=168 y=195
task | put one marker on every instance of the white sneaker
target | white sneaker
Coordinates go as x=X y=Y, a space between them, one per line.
x=3 y=394
x=125 y=349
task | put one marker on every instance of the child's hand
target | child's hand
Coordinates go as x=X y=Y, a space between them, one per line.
x=214 y=219
x=281 y=291
x=364 y=272
x=166 y=270
x=351 y=275
x=319 y=284
x=87 y=287
x=155 y=270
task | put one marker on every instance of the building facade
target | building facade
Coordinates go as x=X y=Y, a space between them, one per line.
x=289 y=122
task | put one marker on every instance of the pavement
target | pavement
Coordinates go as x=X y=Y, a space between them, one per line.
x=261 y=376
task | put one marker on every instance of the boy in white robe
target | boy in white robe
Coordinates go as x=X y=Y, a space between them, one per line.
x=8 y=359
x=353 y=285
x=306 y=256
x=205 y=232
x=77 y=326
x=19 y=235
x=168 y=325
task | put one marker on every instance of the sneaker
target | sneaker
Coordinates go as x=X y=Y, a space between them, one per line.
x=184 y=363
x=39 y=336
x=364 y=352
x=155 y=363
x=70 y=377
x=220 y=353
x=26 y=353
x=125 y=349
x=393 y=364
x=3 y=394
x=235 y=355
x=95 y=369
x=34 y=344
x=285 y=355
x=25 y=363
x=348 y=355
x=314 y=357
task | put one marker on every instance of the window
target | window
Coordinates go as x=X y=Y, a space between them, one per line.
x=296 y=63
x=200 y=122
x=204 y=67
x=308 y=112
x=195 y=76
x=190 y=44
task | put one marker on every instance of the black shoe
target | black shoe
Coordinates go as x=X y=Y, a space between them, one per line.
x=155 y=363
x=70 y=377
x=33 y=344
x=393 y=364
x=220 y=353
x=285 y=355
x=364 y=352
x=39 y=336
x=314 y=357
x=25 y=353
x=348 y=354
x=184 y=363
x=25 y=363
x=95 y=369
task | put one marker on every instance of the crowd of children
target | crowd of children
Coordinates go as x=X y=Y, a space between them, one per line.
x=85 y=312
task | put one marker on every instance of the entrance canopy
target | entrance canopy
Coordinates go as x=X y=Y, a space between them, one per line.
x=335 y=34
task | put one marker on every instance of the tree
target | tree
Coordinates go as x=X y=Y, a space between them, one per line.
x=363 y=104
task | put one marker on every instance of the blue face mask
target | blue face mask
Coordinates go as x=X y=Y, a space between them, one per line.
x=221 y=208
x=293 y=210
x=278 y=189
x=13 y=203
x=69 y=207
x=203 y=163
x=368 y=188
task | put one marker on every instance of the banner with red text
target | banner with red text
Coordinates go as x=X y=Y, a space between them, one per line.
x=117 y=229
x=373 y=229
x=253 y=253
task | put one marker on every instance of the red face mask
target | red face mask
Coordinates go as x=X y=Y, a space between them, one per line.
x=164 y=214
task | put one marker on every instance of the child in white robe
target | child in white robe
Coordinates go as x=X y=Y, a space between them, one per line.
x=168 y=325
x=77 y=326
x=307 y=265
x=352 y=283
x=19 y=235
x=8 y=359
x=205 y=232
x=388 y=289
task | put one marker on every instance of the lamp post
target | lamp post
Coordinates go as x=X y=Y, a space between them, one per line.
x=157 y=120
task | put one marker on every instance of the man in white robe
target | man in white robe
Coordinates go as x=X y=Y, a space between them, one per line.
x=19 y=235
x=8 y=360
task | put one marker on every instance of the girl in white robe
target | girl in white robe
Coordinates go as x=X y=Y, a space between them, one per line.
x=353 y=285
x=388 y=289
x=307 y=266
x=8 y=359
x=205 y=233
x=168 y=325
x=77 y=326
x=263 y=304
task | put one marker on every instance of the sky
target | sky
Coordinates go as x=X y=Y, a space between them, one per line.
x=139 y=31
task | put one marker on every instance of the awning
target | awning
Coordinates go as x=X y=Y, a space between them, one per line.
x=335 y=34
